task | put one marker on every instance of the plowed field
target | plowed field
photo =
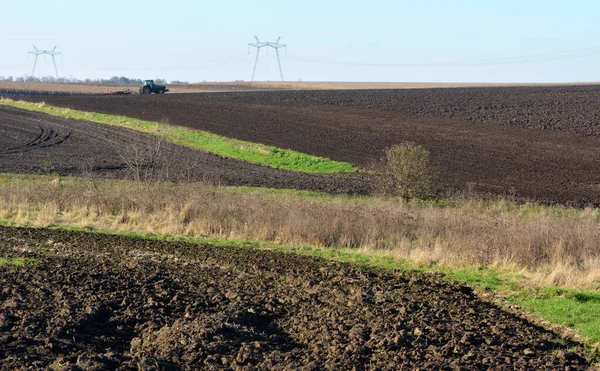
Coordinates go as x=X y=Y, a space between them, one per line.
x=537 y=143
x=573 y=109
x=34 y=142
x=98 y=302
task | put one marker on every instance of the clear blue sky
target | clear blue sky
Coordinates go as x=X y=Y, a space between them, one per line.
x=328 y=40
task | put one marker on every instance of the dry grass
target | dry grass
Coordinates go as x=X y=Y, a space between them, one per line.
x=62 y=88
x=555 y=245
x=28 y=87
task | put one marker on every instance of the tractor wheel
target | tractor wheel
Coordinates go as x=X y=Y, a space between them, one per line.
x=160 y=91
x=145 y=90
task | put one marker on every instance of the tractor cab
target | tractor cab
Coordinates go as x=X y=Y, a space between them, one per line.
x=150 y=87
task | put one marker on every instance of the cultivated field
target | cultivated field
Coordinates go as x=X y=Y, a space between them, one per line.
x=127 y=303
x=38 y=143
x=74 y=300
x=534 y=143
x=34 y=88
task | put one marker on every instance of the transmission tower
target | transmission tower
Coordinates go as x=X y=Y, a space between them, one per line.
x=261 y=44
x=51 y=53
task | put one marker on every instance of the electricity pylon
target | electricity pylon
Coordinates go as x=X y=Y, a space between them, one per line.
x=261 y=44
x=51 y=53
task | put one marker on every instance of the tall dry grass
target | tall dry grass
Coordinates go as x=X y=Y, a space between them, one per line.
x=555 y=245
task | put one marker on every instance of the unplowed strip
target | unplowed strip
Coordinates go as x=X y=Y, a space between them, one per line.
x=118 y=303
x=35 y=142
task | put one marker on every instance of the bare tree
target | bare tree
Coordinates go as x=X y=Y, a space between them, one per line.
x=146 y=162
x=157 y=160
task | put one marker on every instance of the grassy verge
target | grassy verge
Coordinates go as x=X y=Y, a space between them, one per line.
x=521 y=253
x=203 y=140
x=557 y=246
x=578 y=310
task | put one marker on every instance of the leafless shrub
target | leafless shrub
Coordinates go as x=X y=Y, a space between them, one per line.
x=186 y=164
x=46 y=167
x=146 y=162
x=157 y=160
x=87 y=166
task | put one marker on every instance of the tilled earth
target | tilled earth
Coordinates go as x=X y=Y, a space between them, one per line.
x=536 y=143
x=37 y=143
x=88 y=301
x=573 y=109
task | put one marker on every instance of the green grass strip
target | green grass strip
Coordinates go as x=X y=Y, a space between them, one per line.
x=203 y=140
x=575 y=309
x=17 y=262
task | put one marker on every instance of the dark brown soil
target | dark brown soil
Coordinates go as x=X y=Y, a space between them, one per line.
x=99 y=302
x=571 y=109
x=38 y=143
x=482 y=154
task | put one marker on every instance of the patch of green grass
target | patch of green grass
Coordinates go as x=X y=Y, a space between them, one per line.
x=576 y=309
x=17 y=262
x=203 y=140
x=484 y=278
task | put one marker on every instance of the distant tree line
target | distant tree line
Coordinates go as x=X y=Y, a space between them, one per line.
x=115 y=80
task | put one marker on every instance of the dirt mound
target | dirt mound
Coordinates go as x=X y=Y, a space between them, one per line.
x=100 y=302
x=357 y=126
x=34 y=142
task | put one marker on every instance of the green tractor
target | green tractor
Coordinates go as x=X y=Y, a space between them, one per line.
x=150 y=87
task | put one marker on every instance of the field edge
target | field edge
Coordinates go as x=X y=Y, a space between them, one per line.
x=506 y=293
x=256 y=153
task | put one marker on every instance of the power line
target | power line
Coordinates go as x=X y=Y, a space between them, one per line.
x=267 y=44
x=51 y=53
x=523 y=59
x=239 y=58
x=587 y=52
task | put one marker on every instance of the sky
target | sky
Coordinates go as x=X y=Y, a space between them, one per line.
x=327 y=40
